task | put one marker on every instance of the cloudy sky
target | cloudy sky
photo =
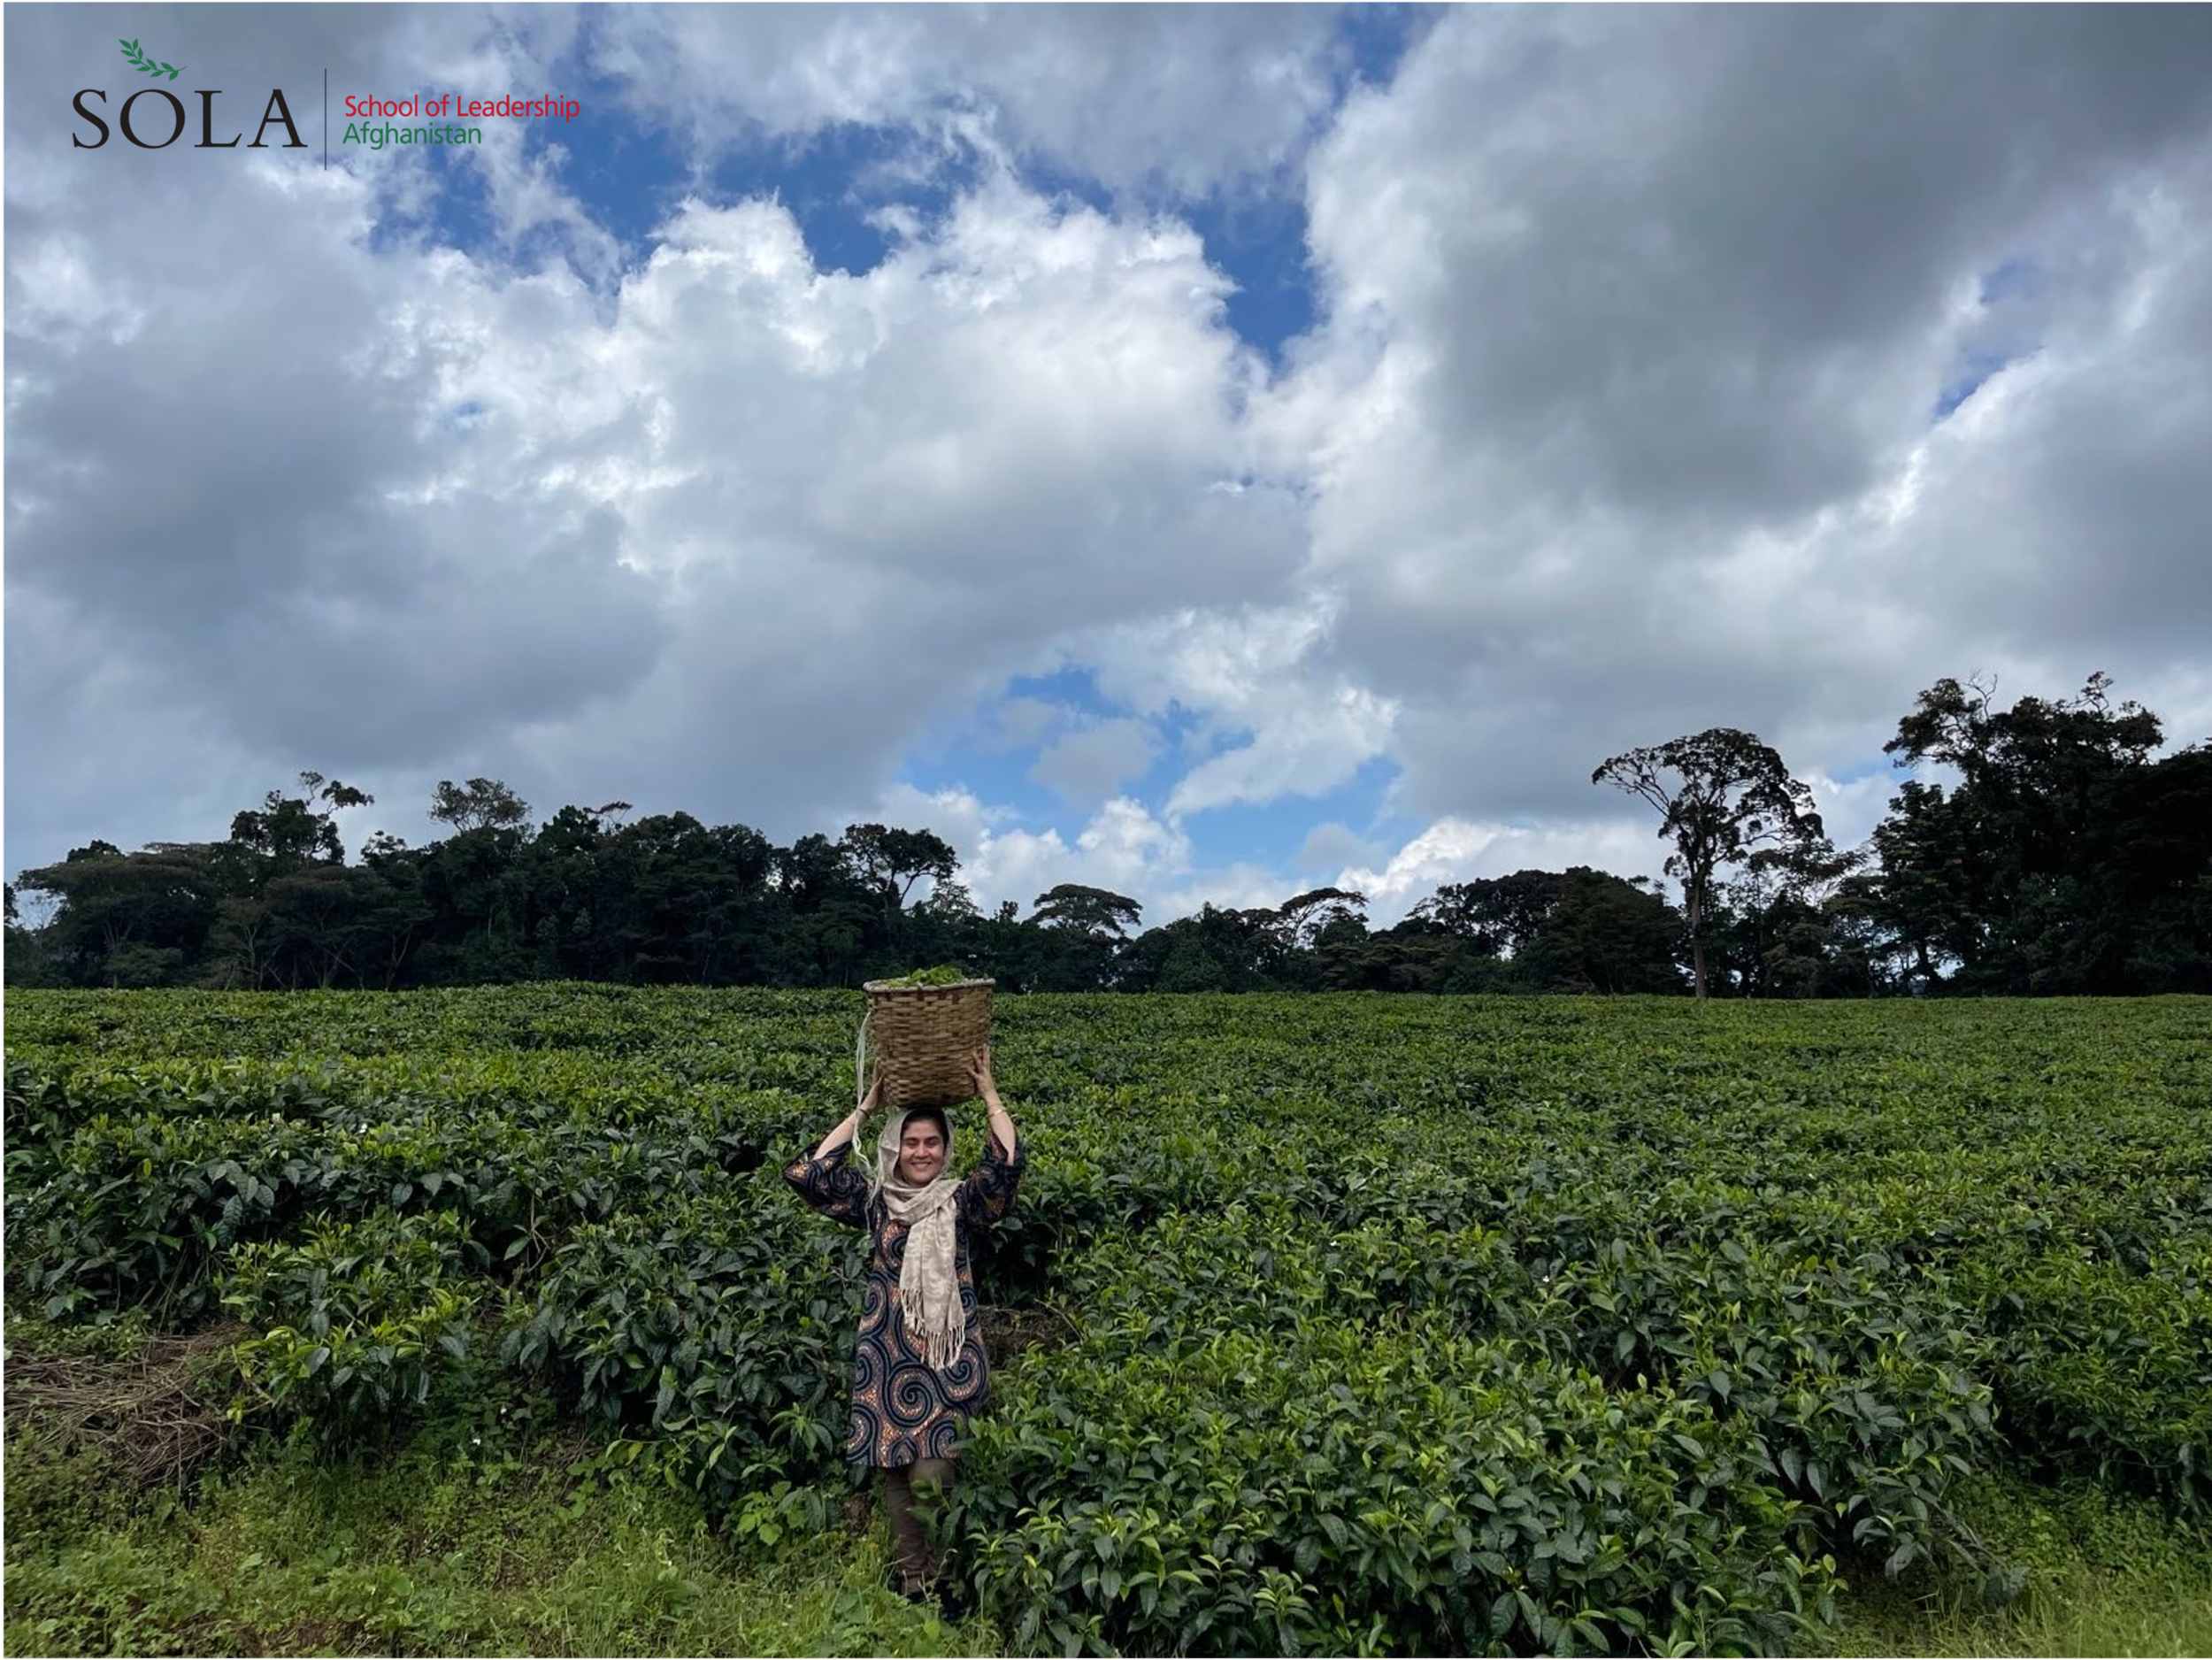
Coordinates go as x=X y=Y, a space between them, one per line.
x=1204 y=452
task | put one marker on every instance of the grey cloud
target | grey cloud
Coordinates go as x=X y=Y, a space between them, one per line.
x=1187 y=99
x=1335 y=847
x=1085 y=767
x=226 y=490
x=1665 y=300
x=1669 y=259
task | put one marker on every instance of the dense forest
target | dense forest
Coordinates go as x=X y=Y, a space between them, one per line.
x=2063 y=858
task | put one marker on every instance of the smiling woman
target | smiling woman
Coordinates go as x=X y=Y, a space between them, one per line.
x=919 y=1369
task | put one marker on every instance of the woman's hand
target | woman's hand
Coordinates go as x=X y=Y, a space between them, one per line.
x=849 y=1126
x=979 y=1073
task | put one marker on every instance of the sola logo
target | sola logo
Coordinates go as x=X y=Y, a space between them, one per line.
x=275 y=111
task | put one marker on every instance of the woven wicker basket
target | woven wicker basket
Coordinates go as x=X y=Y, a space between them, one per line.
x=923 y=1037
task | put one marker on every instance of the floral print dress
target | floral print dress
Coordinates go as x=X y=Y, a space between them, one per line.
x=904 y=1409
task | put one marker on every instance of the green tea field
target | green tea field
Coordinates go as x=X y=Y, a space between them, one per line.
x=483 y=1321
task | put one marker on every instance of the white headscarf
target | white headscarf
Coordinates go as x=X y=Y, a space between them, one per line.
x=929 y=1285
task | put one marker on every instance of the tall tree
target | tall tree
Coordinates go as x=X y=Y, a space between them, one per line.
x=815 y=870
x=324 y=919
x=2011 y=876
x=894 y=860
x=1789 y=928
x=1722 y=797
x=1221 y=949
x=1076 y=937
x=24 y=958
x=1497 y=915
x=1605 y=934
x=290 y=832
x=478 y=892
x=1305 y=919
x=483 y=803
x=2159 y=874
x=1415 y=956
x=128 y=918
x=1090 y=910
x=1923 y=899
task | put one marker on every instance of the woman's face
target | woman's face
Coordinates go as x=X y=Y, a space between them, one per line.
x=921 y=1151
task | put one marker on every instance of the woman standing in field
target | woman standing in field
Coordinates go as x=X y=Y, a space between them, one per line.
x=919 y=1371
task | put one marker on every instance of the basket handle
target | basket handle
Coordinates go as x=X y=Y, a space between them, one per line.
x=860 y=1062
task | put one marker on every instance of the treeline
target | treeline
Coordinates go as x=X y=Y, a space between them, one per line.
x=2063 y=859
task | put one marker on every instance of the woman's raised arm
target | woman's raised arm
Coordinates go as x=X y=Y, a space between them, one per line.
x=838 y=1191
x=848 y=1128
x=1001 y=1121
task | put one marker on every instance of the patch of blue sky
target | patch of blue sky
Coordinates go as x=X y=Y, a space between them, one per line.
x=1270 y=834
x=836 y=184
x=456 y=211
x=1258 y=236
x=628 y=176
x=1377 y=39
x=991 y=749
x=999 y=779
x=2017 y=277
x=1972 y=375
x=465 y=415
x=1072 y=684
x=994 y=752
x=1050 y=180
x=1260 y=243
x=2006 y=292
x=1865 y=769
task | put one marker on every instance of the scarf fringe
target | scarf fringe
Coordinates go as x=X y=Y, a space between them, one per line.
x=939 y=1325
x=942 y=1340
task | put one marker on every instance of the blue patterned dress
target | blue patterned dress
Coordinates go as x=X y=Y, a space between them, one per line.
x=904 y=1408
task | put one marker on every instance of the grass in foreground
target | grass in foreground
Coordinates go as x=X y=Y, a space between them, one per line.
x=2106 y=1575
x=473 y=1538
x=504 y=1536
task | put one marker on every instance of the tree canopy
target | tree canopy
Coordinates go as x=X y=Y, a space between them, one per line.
x=2059 y=856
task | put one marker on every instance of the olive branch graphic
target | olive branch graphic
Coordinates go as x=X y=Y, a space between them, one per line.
x=145 y=64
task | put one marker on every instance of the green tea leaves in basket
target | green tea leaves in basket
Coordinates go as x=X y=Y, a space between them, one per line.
x=943 y=974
